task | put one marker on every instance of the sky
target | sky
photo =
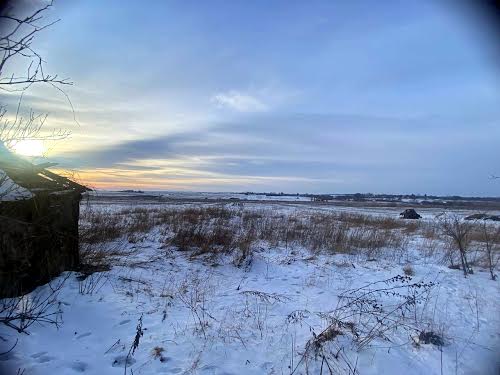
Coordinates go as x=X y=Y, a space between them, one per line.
x=293 y=96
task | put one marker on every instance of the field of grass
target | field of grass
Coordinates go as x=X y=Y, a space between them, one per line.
x=266 y=288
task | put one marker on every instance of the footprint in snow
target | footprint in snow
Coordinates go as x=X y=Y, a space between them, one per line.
x=208 y=369
x=83 y=335
x=121 y=359
x=266 y=366
x=79 y=366
x=39 y=354
x=124 y=322
x=45 y=359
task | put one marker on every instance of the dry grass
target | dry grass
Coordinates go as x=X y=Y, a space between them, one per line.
x=100 y=226
x=100 y=234
x=157 y=353
x=477 y=234
x=408 y=270
x=219 y=229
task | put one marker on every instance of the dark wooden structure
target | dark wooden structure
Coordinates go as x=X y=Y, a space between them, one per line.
x=410 y=213
x=39 y=231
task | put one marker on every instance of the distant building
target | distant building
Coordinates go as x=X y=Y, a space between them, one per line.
x=39 y=213
x=410 y=213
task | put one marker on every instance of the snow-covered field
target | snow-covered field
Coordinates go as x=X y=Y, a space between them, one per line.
x=285 y=310
x=203 y=195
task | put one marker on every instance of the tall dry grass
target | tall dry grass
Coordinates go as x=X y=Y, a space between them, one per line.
x=223 y=230
x=219 y=229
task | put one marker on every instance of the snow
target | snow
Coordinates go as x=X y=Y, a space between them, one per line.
x=202 y=195
x=10 y=191
x=241 y=333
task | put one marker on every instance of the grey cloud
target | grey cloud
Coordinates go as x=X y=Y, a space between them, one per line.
x=319 y=140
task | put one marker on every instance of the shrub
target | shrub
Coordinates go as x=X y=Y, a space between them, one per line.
x=408 y=270
x=459 y=232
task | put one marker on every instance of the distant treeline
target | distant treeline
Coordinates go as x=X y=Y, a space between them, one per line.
x=385 y=197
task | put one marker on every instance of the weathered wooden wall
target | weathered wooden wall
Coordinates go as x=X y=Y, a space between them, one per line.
x=38 y=240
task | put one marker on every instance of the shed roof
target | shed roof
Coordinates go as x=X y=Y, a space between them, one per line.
x=34 y=177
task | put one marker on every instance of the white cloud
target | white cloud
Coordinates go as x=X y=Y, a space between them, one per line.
x=240 y=102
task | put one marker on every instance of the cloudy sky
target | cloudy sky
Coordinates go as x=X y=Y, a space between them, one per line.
x=309 y=96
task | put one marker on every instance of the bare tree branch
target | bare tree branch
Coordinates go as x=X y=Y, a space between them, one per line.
x=20 y=127
x=16 y=47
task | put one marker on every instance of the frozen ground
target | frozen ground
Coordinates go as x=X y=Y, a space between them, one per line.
x=206 y=316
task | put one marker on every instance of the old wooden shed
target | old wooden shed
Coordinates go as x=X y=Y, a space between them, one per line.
x=39 y=213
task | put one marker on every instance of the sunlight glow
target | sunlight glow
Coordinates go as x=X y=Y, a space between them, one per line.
x=30 y=147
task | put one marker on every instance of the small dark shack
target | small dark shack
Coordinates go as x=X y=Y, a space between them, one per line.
x=39 y=213
x=410 y=213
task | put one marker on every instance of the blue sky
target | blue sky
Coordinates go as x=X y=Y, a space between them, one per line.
x=333 y=96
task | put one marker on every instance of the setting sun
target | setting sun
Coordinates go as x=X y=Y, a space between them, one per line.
x=29 y=147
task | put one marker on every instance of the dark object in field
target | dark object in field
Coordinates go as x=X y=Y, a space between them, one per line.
x=38 y=228
x=410 y=213
x=430 y=338
x=483 y=217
